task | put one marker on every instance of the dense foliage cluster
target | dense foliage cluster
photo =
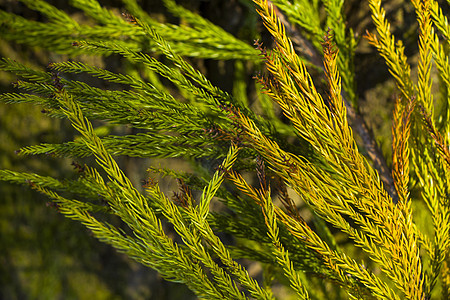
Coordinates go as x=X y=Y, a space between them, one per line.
x=304 y=193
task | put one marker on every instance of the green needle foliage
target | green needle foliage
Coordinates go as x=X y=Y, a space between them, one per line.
x=294 y=193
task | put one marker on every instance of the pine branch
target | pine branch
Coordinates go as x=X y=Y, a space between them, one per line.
x=400 y=135
x=341 y=233
x=280 y=253
x=355 y=119
x=144 y=252
x=149 y=227
x=59 y=34
x=392 y=52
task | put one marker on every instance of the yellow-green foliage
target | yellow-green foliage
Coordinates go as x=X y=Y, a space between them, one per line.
x=319 y=215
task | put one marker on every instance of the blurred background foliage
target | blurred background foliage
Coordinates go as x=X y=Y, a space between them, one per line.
x=46 y=256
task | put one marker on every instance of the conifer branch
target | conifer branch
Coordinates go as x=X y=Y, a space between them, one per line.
x=342 y=232
x=304 y=178
x=198 y=217
x=425 y=40
x=192 y=239
x=356 y=120
x=439 y=19
x=441 y=146
x=400 y=168
x=136 y=249
x=281 y=254
x=392 y=52
x=131 y=198
x=59 y=34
